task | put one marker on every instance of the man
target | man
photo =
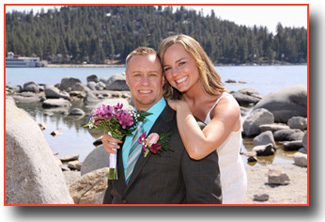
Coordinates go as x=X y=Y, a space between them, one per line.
x=169 y=178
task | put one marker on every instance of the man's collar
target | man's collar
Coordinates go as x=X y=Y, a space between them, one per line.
x=156 y=110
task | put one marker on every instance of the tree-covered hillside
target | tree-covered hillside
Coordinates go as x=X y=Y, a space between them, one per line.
x=100 y=34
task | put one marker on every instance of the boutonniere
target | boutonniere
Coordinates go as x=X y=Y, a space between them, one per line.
x=155 y=143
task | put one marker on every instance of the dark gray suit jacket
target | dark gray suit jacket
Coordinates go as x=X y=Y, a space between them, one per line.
x=172 y=178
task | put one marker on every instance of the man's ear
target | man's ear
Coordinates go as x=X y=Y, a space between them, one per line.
x=127 y=79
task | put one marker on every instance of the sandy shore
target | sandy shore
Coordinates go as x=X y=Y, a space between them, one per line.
x=293 y=193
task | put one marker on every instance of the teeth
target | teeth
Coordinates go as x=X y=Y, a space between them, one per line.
x=142 y=91
x=181 y=80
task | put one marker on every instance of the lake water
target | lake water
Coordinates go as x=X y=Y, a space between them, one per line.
x=77 y=140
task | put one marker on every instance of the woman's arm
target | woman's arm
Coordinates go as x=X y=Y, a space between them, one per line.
x=200 y=143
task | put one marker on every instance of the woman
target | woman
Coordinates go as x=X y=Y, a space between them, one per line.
x=190 y=73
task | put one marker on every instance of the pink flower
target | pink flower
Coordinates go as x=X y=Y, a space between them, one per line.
x=155 y=147
x=152 y=139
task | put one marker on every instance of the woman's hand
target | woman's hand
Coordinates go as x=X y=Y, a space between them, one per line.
x=176 y=104
x=108 y=143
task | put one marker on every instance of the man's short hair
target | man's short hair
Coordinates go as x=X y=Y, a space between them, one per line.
x=141 y=51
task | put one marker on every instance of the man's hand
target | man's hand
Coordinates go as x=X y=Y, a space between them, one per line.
x=110 y=143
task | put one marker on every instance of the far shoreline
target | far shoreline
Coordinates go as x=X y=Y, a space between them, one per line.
x=123 y=65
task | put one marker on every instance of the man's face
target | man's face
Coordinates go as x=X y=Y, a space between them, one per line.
x=145 y=80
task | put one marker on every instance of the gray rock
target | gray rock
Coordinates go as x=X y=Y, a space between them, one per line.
x=32 y=173
x=42 y=125
x=273 y=127
x=11 y=100
x=277 y=177
x=287 y=135
x=71 y=176
x=91 y=185
x=52 y=92
x=96 y=159
x=297 y=122
x=250 y=92
x=31 y=87
x=261 y=197
x=304 y=143
x=91 y=86
x=68 y=82
x=98 y=142
x=56 y=133
x=256 y=118
x=264 y=150
x=264 y=138
x=300 y=159
x=117 y=82
x=285 y=103
x=80 y=87
x=92 y=78
x=245 y=100
x=77 y=112
x=292 y=145
x=75 y=165
x=90 y=98
x=23 y=98
x=100 y=86
x=51 y=103
x=70 y=158
x=103 y=80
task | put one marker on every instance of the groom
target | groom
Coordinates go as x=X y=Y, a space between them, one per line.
x=169 y=178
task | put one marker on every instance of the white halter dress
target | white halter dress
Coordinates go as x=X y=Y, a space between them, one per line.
x=232 y=171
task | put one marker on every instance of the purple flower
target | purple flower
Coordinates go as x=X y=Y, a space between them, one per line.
x=118 y=106
x=125 y=119
x=141 y=139
x=104 y=111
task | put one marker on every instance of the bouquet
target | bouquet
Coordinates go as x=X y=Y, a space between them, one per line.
x=117 y=123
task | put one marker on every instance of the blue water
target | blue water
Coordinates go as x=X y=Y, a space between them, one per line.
x=264 y=79
x=77 y=140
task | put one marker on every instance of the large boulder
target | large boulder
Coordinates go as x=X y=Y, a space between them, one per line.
x=285 y=103
x=297 y=122
x=92 y=78
x=54 y=93
x=28 y=97
x=117 y=82
x=288 y=135
x=90 y=188
x=96 y=159
x=245 y=100
x=31 y=87
x=255 y=119
x=68 y=82
x=52 y=103
x=32 y=173
x=264 y=138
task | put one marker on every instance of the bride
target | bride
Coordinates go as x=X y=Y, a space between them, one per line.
x=191 y=75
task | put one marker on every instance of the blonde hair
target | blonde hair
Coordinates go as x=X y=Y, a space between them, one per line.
x=209 y=78
x=141 y=51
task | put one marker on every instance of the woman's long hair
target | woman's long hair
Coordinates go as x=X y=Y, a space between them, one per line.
x=209 y=78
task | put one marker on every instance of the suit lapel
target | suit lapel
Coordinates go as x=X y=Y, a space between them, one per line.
x=162 y=125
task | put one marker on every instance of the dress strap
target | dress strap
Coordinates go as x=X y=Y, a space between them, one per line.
x=208 y=119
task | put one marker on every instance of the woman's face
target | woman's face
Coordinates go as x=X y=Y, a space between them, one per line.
x=180 y=68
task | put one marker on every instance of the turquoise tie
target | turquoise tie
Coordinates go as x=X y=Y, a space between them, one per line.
x=134 y=153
